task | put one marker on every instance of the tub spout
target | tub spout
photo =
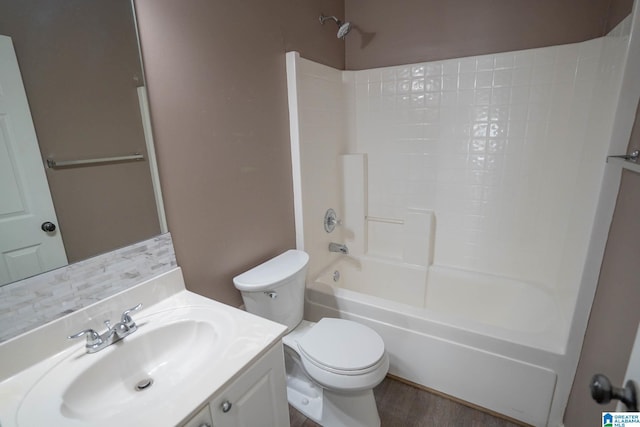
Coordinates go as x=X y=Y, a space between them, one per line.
x=338 y=247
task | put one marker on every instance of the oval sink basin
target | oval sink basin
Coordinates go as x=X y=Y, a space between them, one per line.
x=160 y=358
x=166 y=353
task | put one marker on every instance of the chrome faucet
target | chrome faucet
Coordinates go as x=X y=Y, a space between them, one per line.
x=338 y=247
x=113 y=334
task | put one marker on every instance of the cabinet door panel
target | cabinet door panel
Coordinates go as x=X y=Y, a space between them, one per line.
x=201 y=419
x=258 y=398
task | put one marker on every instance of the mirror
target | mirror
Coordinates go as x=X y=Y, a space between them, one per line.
x=81 y=71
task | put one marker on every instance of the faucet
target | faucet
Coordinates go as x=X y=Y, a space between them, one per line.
x=113 y=334
x=338 y=247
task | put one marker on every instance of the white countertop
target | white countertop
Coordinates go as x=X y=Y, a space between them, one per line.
x=28 y=358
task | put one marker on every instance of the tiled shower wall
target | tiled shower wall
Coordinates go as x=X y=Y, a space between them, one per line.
x=498 y=146
x=500 y=155
x=321 y=118
x=604 y=99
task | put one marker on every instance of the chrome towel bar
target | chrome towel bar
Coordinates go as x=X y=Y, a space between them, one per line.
x=86 y=162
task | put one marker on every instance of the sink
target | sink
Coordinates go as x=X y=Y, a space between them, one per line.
x=169 y=351
x=187 y=350
x=160 y=358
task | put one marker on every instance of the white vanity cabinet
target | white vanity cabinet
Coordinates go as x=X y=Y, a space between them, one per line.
x=201 y=419
x=212 y=365
x=256 y=398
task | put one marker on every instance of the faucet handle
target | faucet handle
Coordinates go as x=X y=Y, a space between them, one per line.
x=126 y=319
x=93 y=338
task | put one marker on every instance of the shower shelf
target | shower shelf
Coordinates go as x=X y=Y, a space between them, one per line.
x=625 y=164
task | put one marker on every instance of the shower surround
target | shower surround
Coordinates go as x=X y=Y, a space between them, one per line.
x=459 y=183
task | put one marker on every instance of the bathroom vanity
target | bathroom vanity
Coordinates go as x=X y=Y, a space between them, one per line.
x=256 y=398
x=190 y=361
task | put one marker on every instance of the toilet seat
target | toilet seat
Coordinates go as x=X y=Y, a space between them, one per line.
x=342 y=346
x=343 y=355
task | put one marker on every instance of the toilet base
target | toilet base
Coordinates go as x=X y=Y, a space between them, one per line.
x=352 y=410
x=336 y=410
x=310 y=405
x=324 y=406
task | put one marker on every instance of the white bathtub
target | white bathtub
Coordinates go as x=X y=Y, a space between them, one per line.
x=491 y=341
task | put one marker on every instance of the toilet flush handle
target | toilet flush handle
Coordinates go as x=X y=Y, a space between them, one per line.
x=271 y=294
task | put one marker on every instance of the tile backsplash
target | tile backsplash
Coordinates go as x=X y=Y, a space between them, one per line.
x=34 y=301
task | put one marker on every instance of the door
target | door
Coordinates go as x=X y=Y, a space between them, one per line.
x=633 y=368
x=25 y=201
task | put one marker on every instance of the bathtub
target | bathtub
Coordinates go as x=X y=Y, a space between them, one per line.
x=491 y=341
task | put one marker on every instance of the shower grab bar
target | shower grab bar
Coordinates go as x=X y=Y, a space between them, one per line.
x=382 y=219
x=53 y=164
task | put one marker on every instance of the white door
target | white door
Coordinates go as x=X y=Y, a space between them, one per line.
x=25 y=200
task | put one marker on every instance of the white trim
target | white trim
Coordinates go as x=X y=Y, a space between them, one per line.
x=143 y=101
x=294 y=130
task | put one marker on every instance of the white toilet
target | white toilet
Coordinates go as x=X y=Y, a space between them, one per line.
x=332 y=365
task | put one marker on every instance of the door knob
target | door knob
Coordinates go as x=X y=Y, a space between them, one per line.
x=48 y=226
x=602 y=392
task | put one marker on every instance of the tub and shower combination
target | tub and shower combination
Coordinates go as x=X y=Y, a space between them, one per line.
x=467 y=241
x=480 y=338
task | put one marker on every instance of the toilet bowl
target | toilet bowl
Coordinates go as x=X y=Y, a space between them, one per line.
x=332 y=365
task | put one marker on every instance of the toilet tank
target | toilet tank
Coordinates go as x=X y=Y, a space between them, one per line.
x=275 y=289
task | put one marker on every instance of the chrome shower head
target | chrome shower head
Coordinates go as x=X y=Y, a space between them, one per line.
x=343 y=27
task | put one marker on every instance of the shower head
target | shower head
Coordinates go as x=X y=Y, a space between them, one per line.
x=343 y=27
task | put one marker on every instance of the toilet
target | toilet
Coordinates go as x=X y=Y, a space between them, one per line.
x=332 y=365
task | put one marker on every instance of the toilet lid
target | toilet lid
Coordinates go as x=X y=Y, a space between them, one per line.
x=272 y=273
x=342 y=345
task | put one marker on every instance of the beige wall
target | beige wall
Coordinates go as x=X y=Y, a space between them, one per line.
x=217 y=87
x=614 y=315
x=80 y=67
x=408 y=31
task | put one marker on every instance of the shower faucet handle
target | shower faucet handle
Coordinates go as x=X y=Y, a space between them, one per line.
x=331 y=220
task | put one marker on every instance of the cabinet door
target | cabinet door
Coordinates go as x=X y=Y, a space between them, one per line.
x=201 y=419
x=258 y=398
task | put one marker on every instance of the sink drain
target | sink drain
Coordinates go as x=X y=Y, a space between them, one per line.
x=144 y=384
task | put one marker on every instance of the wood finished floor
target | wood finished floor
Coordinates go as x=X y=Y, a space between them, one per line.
x=401 y=405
